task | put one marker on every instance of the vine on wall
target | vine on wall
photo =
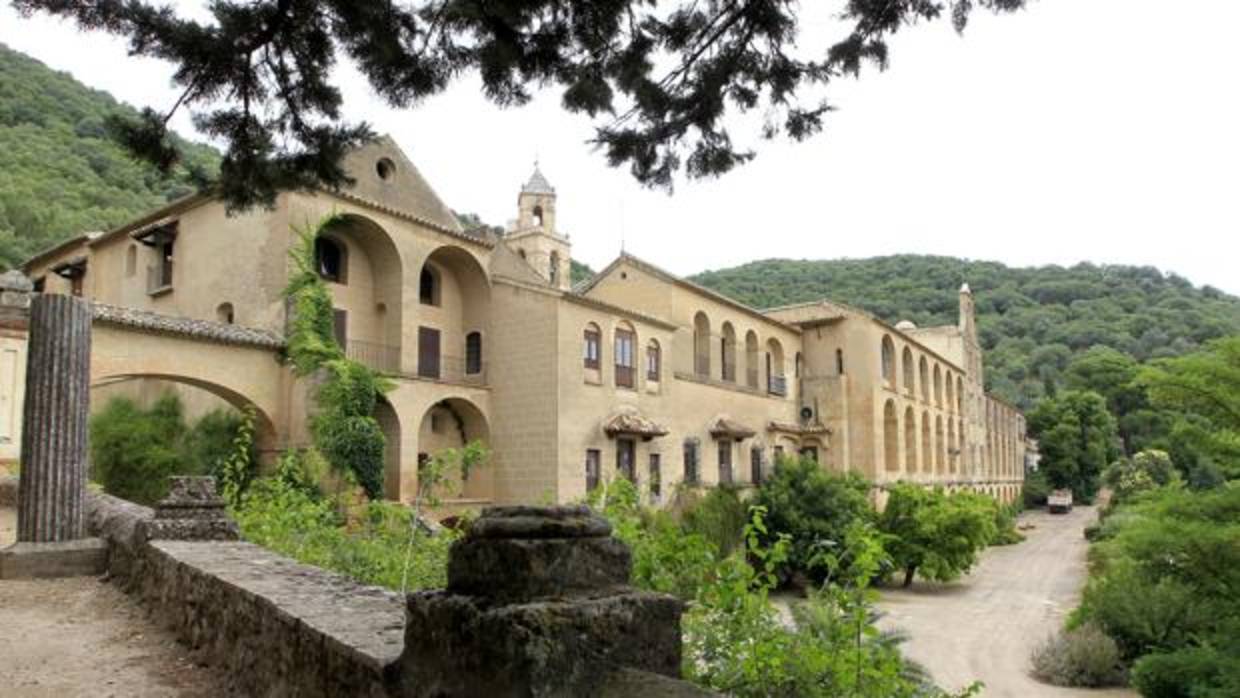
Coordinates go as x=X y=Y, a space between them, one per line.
x=344 y=429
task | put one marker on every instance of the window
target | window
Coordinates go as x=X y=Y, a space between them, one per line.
x=626 y=455
x=591 y=347
x=624 y=359
x=839 y=362
x=340 y=327
x=428 y=286
x=653 y=361
x=779 y=454
x=76 y=284
x=755 y=465
x=656 y=478
x=593 y=461
x=329 y=256
x=131 y=260
x=810 y=452
x=553 y=269
x=888 y=361
x=224 y=313
x=725 y=462
x=691 y=461
x=385 y=168
x=40 y=284
x=473 y=353
x=538 y=216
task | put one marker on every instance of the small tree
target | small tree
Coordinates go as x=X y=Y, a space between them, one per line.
x=933 y=533
x=814 y=508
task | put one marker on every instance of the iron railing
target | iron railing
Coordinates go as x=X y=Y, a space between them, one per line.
x=448 y=369
x=380 y=357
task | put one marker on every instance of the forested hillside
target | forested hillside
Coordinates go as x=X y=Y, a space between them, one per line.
x=60 y=175
x=1032 y=321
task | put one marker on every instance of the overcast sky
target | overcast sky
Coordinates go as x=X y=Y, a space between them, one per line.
x=1099 y=130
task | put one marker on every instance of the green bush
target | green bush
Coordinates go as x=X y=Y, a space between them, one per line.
x=1035 y=490
x=134 y=450
x=1147 y=470
x=719 y=516
x=934 y=534
x=1083 y=656
x=814 y=508
x=1005 y=525
x=1192 y=672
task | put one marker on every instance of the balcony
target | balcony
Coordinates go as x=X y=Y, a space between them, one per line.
x=445 y=369
x=777 y=385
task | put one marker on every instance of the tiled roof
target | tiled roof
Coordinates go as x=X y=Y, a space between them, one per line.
x=538 y=184
x=632 y=423
x=205 y=330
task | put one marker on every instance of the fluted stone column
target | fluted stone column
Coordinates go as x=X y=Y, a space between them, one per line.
x=54 y=433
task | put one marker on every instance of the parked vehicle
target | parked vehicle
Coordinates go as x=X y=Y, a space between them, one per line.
x=1059 y=501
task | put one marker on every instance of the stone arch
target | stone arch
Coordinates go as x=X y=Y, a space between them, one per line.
x=938 y=386
x=752 y=369
x=371 y=293
x=927 y=452
x=909 y=372
x=952 y=450
x=701 y=344
x=389 y=423
x=266 y=437
x=727 y=352
x=891 y=437
x=462 y=307
x=924 y=375
x=959 y=395
x=451 y=423
x=940 y=447
x=949 y=390
x=888 y=361
x=910 y=440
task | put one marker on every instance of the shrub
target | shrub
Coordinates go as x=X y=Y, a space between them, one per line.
x=719 y=516
x=1035 y=490
x=814 y=508
x=209 y=442
x=1192 y=672
x=133 y=451
x=1084 y=656
x=1005 y=525
x=1147 y=470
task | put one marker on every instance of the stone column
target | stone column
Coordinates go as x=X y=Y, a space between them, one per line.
x=52 y=489
x=54 y=423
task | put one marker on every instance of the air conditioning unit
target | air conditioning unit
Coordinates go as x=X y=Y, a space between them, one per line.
x=807 y=415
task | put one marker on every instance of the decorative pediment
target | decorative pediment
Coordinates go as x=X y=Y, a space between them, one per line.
x=631 y=423
x=813 y=429
x=727 y=428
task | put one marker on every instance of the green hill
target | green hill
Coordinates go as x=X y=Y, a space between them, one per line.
x=1032 y=321
x=60 y=175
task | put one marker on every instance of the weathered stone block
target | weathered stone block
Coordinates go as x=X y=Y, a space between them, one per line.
x=191 y=511
x=83 y=557
x=526 y=569
x=468 y=646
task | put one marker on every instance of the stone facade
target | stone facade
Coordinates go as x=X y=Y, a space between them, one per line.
x=486 y=340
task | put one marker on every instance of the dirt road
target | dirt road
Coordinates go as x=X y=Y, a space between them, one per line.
x=82 y=637
x=983 y=627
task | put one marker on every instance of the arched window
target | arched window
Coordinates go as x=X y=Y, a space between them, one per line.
x=891 y=436
x=927 y=451
x=952 y=449
x=330 y=258
x=473 y=353
x=959 y=395
x=626 y=359
x=949 y=386
x=727 y=353
x=839 y=362
x=224 y=313
x=592 y=347
x=796 y=366
x=909 y=371
x=553 y=270
x=938 y=386
x=940 y=448
x=538 y=216
x=428 y=286
x=654 y=361
x=131 y=260
x=701 y=345
x=752 y=369
x=775 y=382
x=888 y=361
x=910 y=440
x=924 y=371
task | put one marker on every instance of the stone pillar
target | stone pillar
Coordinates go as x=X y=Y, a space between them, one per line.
x=52 y=489
x=54 y=424
x=538 y=604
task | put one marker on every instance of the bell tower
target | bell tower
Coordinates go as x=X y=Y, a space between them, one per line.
x=533 y=235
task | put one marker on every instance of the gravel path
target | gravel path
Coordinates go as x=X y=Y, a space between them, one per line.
x=82 y=637
x=984 y=626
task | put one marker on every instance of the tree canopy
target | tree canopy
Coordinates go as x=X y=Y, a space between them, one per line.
x=661 y=78
x=1078 y=439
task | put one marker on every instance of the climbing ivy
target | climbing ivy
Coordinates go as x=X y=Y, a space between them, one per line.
x=343 y=428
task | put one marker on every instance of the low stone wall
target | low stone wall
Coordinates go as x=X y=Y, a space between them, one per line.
x=278 y=627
